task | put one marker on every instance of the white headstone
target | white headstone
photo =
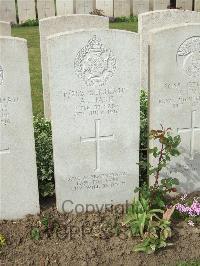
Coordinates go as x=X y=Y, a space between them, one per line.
x=122 y=8
x=18 y=172
x=140 y=6
x=84 y=6
x=155 y=20
x=106 y=6
x=56 y=25
x=5 y=28
x=26 y=10
x=197 y=5
x=64 y=7
x=161 y=4
x=95 y=116
x=46 y=8
x=184 y=4
x=7 y=11
x=175 y=96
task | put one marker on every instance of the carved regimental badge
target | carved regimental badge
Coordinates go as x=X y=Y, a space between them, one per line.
x=94 y=63
x=1 y=75
x=188 y=57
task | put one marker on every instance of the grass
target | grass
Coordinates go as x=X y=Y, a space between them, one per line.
x=31 y=34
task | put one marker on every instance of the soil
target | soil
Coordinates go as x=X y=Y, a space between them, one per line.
x=88 y=239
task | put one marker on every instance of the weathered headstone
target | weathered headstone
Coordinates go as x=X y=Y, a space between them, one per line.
x=85 y=6
x=95 y=114
x=106 y=6
x=18 y=172
x=184 y=4
x=26 y=10
x=59 y=24
x=64 y=7
x=7 y=11
x=5 y=28
x=45 y=8
x=155 y=20
x=175 y=96
x=197 y=5
x=122 y=8
x=161 y=4
x=140 y=6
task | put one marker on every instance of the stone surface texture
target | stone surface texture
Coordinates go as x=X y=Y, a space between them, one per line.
x=122 y=8
x=46 y=8
x=85 y=6
x=64 y=7
x=7 y=11
x=5 y=28
x=140 y=6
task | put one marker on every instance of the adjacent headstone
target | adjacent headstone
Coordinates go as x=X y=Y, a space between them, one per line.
x=184 y=4
x=59 y=24
x=45 y=8
x=140 y=7
x=84 y=6
x=5 y=28
x=7 y=11
x=197 y=5
x=106 y=6
x=175 y=96
x=155 y=20
x=94 y=77
x=18 y=172
x=161 y=4
x=122 y=8
x=64 y=7
x=26 y=10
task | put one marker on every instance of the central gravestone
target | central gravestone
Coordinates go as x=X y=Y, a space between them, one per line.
x=175 y=96
x=95 y=116
x=26 y=10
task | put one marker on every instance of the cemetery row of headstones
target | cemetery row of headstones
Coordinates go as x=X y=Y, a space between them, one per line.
x=94 y=93
x=113 y=8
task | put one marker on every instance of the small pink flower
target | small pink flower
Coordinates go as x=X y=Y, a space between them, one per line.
x=183 y=197
x=190 y=223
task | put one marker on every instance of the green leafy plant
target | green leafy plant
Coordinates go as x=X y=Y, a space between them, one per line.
x=2 y=241
x=156 y=236
x=35 y=233
x=44 y=156
x=144 y=215
x=140 y=215
x=30 y=23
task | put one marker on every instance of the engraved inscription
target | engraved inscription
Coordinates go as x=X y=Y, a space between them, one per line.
x=1 y=75
x=94 y=102
x=94 y=63
x=97 y=139
x=5 y=115
x=192 y=130
x=98 y=181
x=188 y=57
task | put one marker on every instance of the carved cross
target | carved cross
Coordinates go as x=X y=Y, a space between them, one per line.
x=97 y=139
x=192 y=130
x=45 y=9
